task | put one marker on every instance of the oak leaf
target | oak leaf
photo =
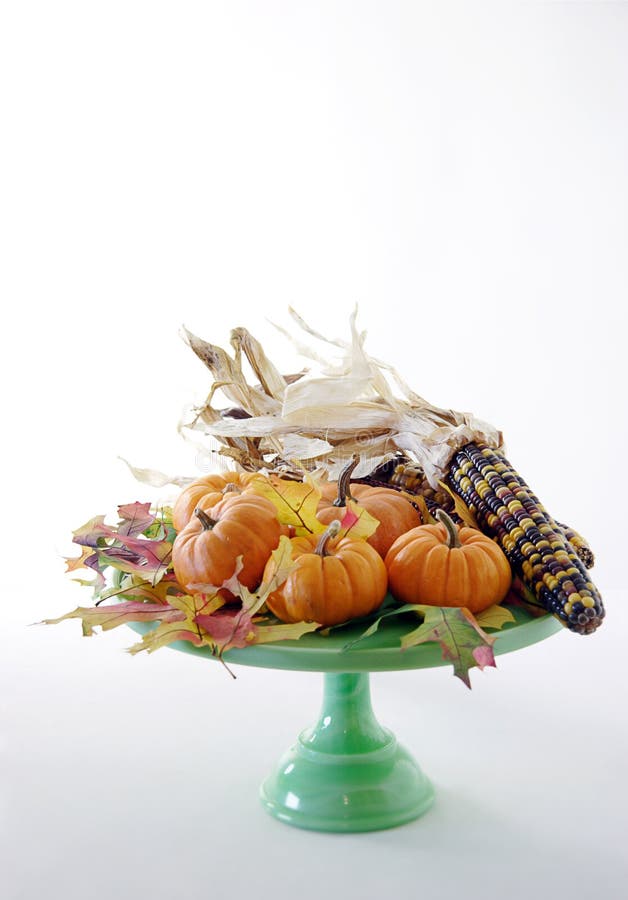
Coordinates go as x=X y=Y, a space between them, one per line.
x=110 y=616
x=296 y=502
x=356 y=521
x=462 y=641
x=495 y=616
x=135 y=518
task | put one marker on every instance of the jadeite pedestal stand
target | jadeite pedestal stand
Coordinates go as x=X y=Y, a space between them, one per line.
x=347 y=772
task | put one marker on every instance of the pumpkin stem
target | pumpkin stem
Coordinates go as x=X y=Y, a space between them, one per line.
x=344 y=482
x=452 y=531
x=206 y=521
x=230 y=487
x=332 y=530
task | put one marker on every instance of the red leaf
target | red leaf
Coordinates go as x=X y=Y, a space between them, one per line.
x=135 y=518
x=483 y=656
x=229 y=628
x=348 y=519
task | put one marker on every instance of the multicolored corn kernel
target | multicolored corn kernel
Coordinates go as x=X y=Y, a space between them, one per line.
x=410 y=477
x=538 y=550
x=579 y=544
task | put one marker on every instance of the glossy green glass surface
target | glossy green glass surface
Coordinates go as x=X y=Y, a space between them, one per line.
x=378 y=653
x=348 y=773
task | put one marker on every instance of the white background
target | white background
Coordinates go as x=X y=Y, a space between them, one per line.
x=460 y=173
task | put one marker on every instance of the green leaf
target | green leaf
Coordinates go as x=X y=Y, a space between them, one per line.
x=462 y=640
x=407 y=607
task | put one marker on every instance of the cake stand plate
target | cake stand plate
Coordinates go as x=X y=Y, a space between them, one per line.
x=347 y=772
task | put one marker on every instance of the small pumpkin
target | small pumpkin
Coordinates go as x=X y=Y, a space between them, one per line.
x=206 y=550
x=334 y=579
x=395 y=514
x=207 y=492
x=443 y=565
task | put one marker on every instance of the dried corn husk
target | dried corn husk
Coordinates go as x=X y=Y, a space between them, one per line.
x=316 y=422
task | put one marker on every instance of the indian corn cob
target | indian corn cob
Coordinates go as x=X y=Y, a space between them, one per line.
x=409 y=476
x=539 y=553
x=579 y=544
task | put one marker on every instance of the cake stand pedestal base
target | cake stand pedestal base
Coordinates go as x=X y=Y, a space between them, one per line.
x=347 y=773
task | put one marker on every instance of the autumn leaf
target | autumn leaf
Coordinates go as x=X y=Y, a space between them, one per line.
x=417 y=500
x=89 y=560
x=91 y=533
x=383 y=612
x=278 y=568
x=230 y=584
x=123 y=549
x=461 y=639
x=182 y=628
x=242 y=629
x=494 y=617
x=285 y=631
x=207 y=620
x=96 y=584
x=132 y=587
x=462 y=510
x=134 y=518
x=356 y=521
x=72 y=563
x=483 y=656
x=150 y=559
x=110 y=616
x=139 y=548
x=296 y=502
x=228 y=628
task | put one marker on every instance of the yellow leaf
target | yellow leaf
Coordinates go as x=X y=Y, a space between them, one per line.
x=279 y=567
x=288 y=632
x=419 y=501
x=355 y=521
x=296 y=502
x=186 y=629
x=72 y=563
x=462 y=510
x=494 y=617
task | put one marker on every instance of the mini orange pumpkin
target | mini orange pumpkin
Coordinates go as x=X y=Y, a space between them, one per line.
x=206 y=492
x=395 y=514
x=334 y=579
x=206 y=550
x=443 y=565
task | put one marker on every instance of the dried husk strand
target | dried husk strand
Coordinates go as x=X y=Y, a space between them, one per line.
x=320 y=422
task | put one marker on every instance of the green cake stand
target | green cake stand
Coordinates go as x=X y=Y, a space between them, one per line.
x=348 y=773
